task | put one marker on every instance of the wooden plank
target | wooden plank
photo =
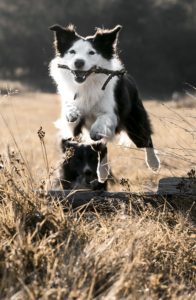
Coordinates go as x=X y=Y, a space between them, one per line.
x=177 y=185
x=168 y=194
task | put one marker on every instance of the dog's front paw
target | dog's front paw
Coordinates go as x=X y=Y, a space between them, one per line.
x=99 y=131
x=72 y=116
x=95 y=136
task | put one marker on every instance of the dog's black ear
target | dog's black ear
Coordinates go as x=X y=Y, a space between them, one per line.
x=106 y=40
x=66 y=144
x=58 y=28
x=64 y=37
x=108 y=36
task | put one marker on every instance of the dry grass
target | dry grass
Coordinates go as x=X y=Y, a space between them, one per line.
x=46 y=253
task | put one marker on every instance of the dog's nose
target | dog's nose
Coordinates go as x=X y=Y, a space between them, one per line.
x=88 y=172
x=79 y=63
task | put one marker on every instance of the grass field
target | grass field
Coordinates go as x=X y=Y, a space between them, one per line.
x=48 y=254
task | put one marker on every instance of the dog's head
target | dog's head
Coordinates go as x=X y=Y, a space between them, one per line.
x=82 y=53
x=79 y=170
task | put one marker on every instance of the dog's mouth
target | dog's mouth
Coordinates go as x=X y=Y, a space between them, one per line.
x=80 y=76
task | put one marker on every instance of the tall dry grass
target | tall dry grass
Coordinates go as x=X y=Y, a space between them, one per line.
x=49 y=253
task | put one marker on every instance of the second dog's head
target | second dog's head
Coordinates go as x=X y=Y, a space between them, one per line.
x=79 y=169
x=82 y=53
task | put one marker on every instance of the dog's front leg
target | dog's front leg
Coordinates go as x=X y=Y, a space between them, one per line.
x=69 y=121
x=104 y=127
x=71 y=112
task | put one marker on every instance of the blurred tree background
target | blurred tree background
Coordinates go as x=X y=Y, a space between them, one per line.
x=158 y=41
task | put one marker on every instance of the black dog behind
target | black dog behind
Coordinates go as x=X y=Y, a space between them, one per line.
x=79 y=167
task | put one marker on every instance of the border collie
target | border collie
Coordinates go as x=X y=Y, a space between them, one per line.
x=78 y=169
x=86 y=107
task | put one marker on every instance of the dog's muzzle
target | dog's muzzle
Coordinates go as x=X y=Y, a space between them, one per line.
x=80 y=76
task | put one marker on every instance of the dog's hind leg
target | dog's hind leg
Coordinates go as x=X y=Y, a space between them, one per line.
x=134 y=119
x=140 y=134
x=102 y=166
x=152 y=159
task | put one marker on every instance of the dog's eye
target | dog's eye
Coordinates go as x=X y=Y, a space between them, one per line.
x=91 y=52
x=72 y=51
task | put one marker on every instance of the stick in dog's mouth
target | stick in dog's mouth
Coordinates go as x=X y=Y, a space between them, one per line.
x=80 y=76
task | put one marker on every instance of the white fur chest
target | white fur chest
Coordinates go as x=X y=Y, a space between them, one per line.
x=89 y=98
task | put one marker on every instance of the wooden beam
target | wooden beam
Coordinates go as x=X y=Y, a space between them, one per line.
x=178 y=194
x=105 y=202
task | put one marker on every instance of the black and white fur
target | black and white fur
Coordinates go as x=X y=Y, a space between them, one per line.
x=79 y=171
x=98 y=114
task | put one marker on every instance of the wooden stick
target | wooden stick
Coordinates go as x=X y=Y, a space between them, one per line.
x=97 y=70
